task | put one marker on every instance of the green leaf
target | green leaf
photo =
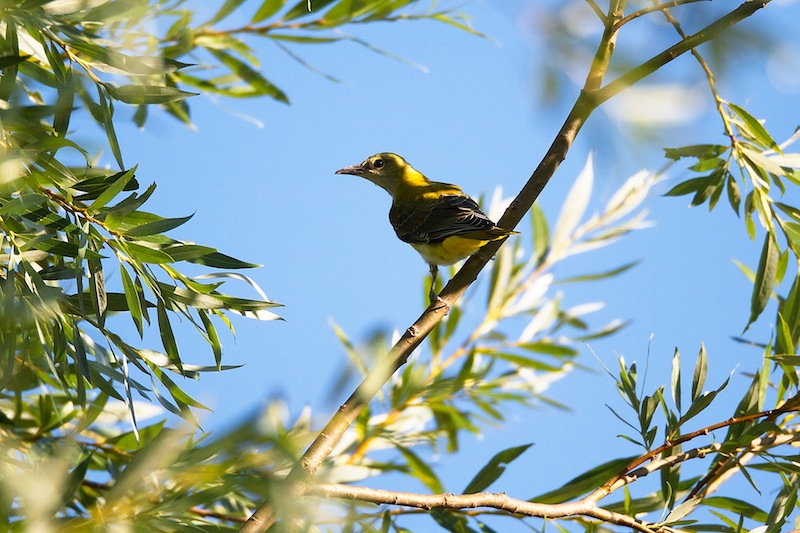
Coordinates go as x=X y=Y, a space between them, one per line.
x=421 y=470
x=688 y=187
x=738 y=507
x=734 y=196
x=755 y=128
x=132 y=298
x=492 y=470
x=540 y=233
x=148 y=94
x=113 y=189
x=220 y=260
x=167 y=336
x=589 y=480
x=696 y=150
x=146 y=255
x=765 y=278
x=157 y=227
x=23 y=204
x=676 y=379
x=253 y=78
x=106 y=118
x=700 y=372
x=227 y=8
x=601 y=275
x=267 y=9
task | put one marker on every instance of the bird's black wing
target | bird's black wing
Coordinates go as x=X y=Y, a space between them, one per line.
x=450 y=215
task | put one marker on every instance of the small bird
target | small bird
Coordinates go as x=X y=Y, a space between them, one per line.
x=439 y=220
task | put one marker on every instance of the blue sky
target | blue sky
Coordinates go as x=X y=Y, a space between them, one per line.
x=259 y=177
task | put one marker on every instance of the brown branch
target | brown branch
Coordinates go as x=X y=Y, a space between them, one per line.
x=655 y=7
x=590 y=97
x=499 y=501
x=711 y=31
x=788 y=407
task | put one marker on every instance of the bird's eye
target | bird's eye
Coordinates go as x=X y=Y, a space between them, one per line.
x=378 y=163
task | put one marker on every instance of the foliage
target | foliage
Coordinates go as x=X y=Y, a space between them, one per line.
x=87 y=275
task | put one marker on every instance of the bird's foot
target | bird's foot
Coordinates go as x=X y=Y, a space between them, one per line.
x=437 y=303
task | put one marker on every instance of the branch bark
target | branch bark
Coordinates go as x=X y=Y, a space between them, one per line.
x=591 y=96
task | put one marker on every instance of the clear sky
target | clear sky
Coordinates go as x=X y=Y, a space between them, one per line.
x=259 y=176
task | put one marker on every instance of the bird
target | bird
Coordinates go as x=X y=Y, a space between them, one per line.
x=439 y=220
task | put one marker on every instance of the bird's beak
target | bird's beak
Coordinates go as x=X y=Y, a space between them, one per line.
x=355 y=170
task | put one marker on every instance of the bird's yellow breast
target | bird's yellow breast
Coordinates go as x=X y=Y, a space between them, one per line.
x=448 y=252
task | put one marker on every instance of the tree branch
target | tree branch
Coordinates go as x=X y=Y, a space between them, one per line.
x=499 y=501
x=684 y=45
x=610 y=485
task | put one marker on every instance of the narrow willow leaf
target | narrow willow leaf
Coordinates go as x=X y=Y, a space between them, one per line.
x=304 y=7
x=157 y=227
x=213 y=338
x=267 y=9
x=23 y=204
x=148 y=94
x=739 y=507
x=259 y=84
x=106 y=114
x=734 y=196
x=585 y=482
x=765 y=278
x=682 y=510
x=540 y=233
x=700 y=371
x=167 y=336
x=697 y=150
x=97 y=286
x=492 y=470
x=688 y=187
x=676 y=379
x=113 y=189
x=132 y=297
x=227 y=8
x=754 y=127
x=145 y=254
x=421 y=470
x=573 y=208
x=220 y=260
x=601 y=275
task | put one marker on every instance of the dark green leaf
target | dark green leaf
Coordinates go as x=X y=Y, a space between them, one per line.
x=148 y=94
x=421 y=470
x=113 y=189
x=492 y=470
x=267 y=9
x=157 y=227
x=765 y=278
x=587 y=481
x=697 y=150
x=220 y=260
x=755 y=128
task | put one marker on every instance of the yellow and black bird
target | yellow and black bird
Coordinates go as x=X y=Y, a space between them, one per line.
x=438 y=219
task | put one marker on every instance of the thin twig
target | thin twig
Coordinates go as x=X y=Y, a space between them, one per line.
x=655 y=7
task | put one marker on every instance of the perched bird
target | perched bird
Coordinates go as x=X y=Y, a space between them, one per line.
x=438 y=219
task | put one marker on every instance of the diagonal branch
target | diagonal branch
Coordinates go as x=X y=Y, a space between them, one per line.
x=591 y=96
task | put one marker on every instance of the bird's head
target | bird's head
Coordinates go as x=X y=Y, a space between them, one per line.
x=386 y=170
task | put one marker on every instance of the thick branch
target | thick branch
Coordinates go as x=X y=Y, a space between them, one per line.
x=499 y=501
